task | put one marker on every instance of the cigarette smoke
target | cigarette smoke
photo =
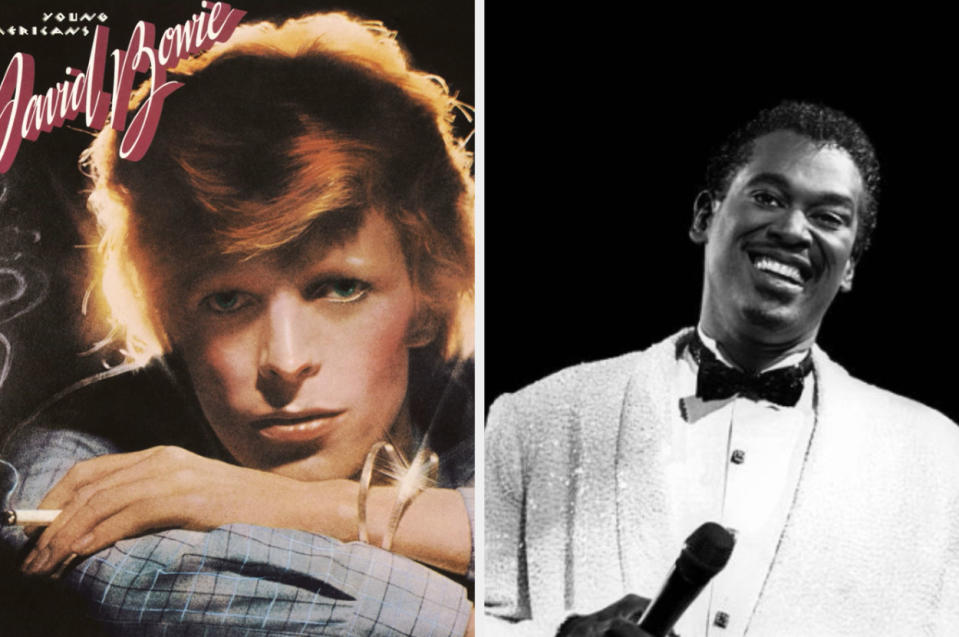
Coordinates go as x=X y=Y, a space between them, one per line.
x=23 y=285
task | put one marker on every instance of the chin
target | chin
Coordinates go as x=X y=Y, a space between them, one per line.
x=770 y=319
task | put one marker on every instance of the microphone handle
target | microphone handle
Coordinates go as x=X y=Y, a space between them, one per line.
x=668 y=606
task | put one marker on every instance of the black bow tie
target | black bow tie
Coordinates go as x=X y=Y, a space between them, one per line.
x=716 y=380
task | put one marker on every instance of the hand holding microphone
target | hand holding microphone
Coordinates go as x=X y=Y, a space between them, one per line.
x=704 y=554
x=616 y=620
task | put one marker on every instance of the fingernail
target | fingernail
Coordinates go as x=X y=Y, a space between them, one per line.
x=25 y=567
x=82 y=543
x=41 y=564
x=64 y=566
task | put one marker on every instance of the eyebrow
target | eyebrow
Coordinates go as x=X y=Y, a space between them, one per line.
x=827 y=198
x=326 y=231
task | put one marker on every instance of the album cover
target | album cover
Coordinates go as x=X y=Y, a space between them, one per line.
x=383 y=284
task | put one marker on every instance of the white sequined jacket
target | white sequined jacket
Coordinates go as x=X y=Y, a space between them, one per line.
x=578 y=505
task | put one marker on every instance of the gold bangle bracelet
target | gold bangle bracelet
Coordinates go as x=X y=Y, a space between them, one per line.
x=366 y=476
x=421 y=472
x=416 y=478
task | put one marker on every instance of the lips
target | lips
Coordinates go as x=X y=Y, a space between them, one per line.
x=302 y=427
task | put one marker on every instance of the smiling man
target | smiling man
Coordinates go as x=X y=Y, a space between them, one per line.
x=843 y=498
x=779 y=245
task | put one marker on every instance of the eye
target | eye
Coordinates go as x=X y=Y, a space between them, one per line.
x=340 y=290
x=227 y=302
x=766 y=199
x=829 y=219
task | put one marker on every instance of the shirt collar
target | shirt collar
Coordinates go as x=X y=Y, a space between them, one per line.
x=793 y=359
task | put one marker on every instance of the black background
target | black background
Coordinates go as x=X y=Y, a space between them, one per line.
x=598 y=132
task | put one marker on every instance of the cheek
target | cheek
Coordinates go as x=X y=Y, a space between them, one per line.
x=840 y=251
x=721 y=246
x=374 y=353
x=222 y=367
x=834 y=251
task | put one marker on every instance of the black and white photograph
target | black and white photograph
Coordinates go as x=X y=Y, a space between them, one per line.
x=719 y=329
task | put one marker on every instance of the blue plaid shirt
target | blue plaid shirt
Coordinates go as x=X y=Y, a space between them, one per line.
x=237 y=579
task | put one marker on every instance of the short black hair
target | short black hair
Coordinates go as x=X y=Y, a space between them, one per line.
x=821 y=124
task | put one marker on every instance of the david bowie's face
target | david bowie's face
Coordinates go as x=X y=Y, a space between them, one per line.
x=779 y=245
x=300 y=364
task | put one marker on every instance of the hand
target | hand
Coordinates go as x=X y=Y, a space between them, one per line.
x=619 y=619
x=113 y=497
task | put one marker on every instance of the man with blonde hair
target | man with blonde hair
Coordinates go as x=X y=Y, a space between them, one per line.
x=290 y=271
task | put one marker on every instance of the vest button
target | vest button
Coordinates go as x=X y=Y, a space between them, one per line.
x=721 y=619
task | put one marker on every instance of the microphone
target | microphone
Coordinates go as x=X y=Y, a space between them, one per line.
x=705 y=553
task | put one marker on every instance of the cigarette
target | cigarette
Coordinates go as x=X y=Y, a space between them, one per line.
x=28 y=517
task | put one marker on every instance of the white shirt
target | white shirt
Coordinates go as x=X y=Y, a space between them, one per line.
x=742 y=460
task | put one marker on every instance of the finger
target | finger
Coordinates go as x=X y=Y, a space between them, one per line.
x=160 y=471
x=620 y=627
x=635 y=611
x=586 y=626
x=39 y=555
x=63 y=567
x=112 y=473
x=139 y=517
x=171 y=466
x=59 y=539
x=80 y=504
x=88 y=471
x=628 y=607
x=570 y=627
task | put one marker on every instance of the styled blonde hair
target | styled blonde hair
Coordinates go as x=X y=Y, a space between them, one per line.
x=320 y=113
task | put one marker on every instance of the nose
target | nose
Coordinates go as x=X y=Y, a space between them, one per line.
x=792 y=227
x=287 y=355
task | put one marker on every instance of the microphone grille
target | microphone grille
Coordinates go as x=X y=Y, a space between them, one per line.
x=706 y=552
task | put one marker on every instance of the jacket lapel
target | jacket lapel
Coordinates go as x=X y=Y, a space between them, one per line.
x=815 y=580
x=648 y=485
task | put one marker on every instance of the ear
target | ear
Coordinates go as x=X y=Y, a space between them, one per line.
x=704 y=206
x=846 y=283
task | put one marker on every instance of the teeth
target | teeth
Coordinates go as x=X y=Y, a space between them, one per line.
x=788 y=271
x=303 y=426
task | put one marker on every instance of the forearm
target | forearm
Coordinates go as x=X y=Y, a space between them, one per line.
x=283 y=579
x=435 y=529
x=123 y=495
